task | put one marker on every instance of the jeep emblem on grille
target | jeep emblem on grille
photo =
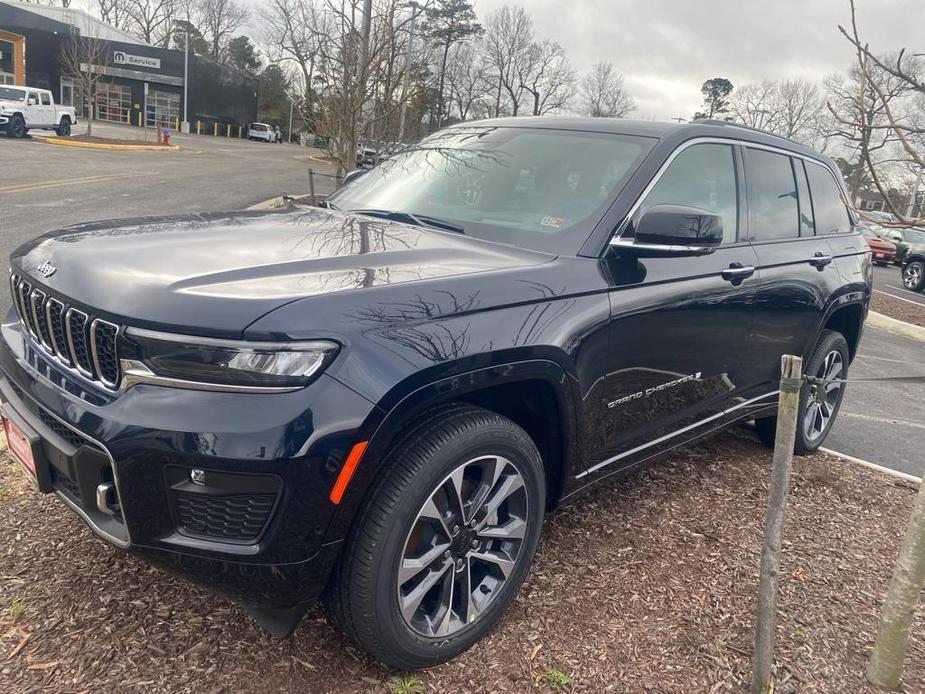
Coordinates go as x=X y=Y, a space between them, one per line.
x=46 y=269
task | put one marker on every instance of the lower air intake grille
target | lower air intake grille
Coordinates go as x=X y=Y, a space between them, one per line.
x=241 y=517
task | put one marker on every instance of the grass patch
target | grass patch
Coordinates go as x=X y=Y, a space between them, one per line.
x=555 y=679
x=406 y=684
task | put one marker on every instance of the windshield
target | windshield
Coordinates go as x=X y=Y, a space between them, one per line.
x=8 y=94
x=528 y=187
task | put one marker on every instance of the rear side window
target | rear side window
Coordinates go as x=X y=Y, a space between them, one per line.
x=831 y=211
x=772 y=196
x=700 y=176
x=46 y=99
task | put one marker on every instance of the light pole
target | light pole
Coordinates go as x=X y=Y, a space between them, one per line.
x=406 y=78
x=184 y=126
x=291 y=102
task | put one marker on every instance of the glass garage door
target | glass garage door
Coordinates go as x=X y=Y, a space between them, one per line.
x=163 y=107
x=113 y=102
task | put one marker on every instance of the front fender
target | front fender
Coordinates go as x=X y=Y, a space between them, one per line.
x=408 y=400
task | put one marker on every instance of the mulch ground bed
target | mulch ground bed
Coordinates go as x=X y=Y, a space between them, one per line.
x=152 y=141
x=898 y=309
x=645 y=584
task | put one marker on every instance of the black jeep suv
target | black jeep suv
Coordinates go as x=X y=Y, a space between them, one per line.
x=377 y=400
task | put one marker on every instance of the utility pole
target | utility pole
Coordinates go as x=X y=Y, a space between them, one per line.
x=184 y=128
x=291 y=102
x=406 y=78
x=910 y=209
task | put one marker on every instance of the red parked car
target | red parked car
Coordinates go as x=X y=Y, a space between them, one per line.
x=882 y=251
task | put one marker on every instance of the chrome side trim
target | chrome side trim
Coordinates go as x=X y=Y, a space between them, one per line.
x=620 y=242
x=682 y=430
x=134 y=372
x=95 y=357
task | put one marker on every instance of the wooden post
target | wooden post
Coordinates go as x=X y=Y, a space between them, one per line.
x=886 y=662
x=311 y=184
x=766 y=616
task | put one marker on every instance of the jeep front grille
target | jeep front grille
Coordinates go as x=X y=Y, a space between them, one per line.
x=78 y=341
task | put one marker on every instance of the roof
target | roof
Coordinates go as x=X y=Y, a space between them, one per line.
x=647 y=128
x=88 y=25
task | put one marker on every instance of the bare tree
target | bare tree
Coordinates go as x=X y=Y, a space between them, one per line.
x=508 y=41
x=792 y=108
x=84 y=59
x=604 y=94
x=219 y=20
x=114 y=13
x=469 y=83
x=888 y=110
x=547 y=77
x=150 y=20
x=753 y=104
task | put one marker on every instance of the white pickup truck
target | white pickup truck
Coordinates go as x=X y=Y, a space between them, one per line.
x=27 y=108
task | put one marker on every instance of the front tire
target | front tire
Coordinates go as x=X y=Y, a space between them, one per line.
x=444 y=541
x=819 y=405
x=914 y=276
x=16 y=127
x=64 y=129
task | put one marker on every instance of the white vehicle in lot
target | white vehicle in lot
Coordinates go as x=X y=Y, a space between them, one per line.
x=261 y=131
x=26 y=108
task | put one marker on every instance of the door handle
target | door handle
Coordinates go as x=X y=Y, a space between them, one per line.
x=736 y=272
x=820 y=260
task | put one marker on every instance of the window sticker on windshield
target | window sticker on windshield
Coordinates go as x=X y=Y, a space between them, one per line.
x=552 y=222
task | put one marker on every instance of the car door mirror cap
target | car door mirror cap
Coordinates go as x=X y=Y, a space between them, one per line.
x=671 y=230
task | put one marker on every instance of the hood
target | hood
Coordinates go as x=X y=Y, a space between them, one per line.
x=218 y=273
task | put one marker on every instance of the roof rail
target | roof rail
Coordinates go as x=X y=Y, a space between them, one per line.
x=715 y=121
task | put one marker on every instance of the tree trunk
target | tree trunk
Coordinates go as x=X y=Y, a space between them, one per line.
x=766 y=616
x=886 y=662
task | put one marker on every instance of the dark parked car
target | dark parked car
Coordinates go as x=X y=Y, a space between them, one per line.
x=913 y=260
x=379 y=401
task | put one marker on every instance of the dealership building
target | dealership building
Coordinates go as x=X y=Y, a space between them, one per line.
x=31 y=37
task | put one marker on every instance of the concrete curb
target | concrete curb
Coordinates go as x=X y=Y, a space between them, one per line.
x=897 y=327
x=872 y=466
x=61 y=142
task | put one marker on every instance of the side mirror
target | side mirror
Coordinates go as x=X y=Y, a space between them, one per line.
x=33 y=101
x=352 y=176
x=672 y=230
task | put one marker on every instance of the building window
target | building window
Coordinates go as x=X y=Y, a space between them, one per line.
x=6 y=63
x=163 y=107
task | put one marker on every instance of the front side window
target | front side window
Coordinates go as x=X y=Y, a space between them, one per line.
x=772 y=196
x=831 y=211
x=536 y=188
x=701 y=176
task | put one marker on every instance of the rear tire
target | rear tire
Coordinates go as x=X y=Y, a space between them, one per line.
x=829 y=360
x=914 y=276
x=412 y=540
x=64 y=129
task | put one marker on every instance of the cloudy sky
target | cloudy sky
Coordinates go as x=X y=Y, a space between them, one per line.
x=667 y=48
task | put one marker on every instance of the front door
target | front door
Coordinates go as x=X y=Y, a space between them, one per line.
x=679 y=325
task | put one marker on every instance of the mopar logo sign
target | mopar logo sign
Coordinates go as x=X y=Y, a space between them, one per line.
x=120 y=58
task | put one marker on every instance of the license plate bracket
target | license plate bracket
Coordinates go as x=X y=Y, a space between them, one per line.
x=26 y=448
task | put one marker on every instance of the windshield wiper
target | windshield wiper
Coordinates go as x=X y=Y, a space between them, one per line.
x=411 y=218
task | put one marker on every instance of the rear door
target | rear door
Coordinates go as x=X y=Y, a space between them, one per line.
x=795 y=259
x=679 y=325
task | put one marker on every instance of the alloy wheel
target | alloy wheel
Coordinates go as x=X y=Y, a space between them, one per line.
x=912 y=275
x=462 y=546
x=823 y=398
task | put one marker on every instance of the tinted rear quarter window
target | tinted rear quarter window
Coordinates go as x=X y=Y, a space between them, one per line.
x=772 y=196
x=828 y=204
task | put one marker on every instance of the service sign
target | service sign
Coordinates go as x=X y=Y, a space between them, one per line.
x=120 y=58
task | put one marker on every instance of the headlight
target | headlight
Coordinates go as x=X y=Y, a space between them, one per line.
x=224 y=364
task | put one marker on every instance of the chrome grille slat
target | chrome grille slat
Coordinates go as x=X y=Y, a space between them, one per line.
x=76 y=340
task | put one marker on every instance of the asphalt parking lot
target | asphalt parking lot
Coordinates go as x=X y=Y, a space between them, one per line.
x=47 y=187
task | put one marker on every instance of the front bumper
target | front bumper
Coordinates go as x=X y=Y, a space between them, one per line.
x=256 y=530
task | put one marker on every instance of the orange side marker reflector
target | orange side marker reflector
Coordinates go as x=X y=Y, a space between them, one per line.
x=346 y=472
